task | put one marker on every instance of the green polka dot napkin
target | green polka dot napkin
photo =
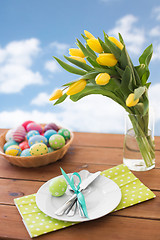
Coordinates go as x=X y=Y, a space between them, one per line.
x=38 y=223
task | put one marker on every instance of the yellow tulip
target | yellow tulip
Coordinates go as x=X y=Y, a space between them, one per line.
x=80 y=59
x=88 y=34
x=56 y=94
x=130 y=102
x=94 y=44
x=76 y=87
x=76 y=52
x=107 y=59
x=116 y=42
x=102 y=78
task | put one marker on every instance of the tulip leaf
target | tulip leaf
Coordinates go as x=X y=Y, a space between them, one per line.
x=148 y=84
x=145 y=77
x=89 y=75
x=110 y=71
x=119 y=70
x=79 y=64
x=93 y=89
x=90 y=50
x=124 y=59
x=146 y=104
x=93 y=62
x=126 y=83
x=69 y=83
x=61 y=99
x=120 y=38
x=146 y=55
x=85 y=38
x=85 y=51
x=69 y=68
x=104 y=46
x=140 y=69
x=138 y=92
x=113 y=48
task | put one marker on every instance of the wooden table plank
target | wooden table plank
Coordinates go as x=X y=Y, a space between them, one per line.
x=108 y=227
x=11 y=189
x=92 y=152
x=100 y=139
x=150 y=178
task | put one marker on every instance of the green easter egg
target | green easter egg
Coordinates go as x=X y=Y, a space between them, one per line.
x=57 y=186
x=65 y=133
x=56 y=141
x=38 y=149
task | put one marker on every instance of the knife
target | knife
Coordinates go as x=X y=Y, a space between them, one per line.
x=84 y=185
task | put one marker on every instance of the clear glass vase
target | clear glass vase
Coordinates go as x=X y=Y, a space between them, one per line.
x=139 y=147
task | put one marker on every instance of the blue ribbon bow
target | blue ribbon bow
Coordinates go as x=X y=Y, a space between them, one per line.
x=80 y=196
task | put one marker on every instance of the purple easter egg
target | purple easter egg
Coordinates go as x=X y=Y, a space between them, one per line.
x=51 y=126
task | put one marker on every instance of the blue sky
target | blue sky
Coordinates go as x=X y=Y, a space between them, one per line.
x=33 y=31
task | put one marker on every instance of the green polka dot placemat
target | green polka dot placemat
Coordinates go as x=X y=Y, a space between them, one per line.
x=38 y=223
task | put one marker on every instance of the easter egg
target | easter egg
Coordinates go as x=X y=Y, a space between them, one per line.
x=37 y=139
x=51 y=126
x=34 y=126
x=25 y=153
x=32 y=133
x=26 y=123
x=57 y=186
x=19 y=134
x=49 y=133
x=8 y=144
x=24 y=145
x=13 y=150
x=65 y=133
x=50 y=150
x=56 y=141
x=38 y=149
x=9 y=135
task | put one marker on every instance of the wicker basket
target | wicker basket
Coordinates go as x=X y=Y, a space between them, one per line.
x=34 y=161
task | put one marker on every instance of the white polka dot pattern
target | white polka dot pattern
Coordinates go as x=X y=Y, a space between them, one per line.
x=38 y=223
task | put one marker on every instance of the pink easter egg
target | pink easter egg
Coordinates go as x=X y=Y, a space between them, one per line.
x=51 y=126
x=24 y=145
x=26 y=123
x=34 y=126
x=19 y=134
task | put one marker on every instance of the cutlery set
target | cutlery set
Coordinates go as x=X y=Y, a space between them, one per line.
x=72 y=205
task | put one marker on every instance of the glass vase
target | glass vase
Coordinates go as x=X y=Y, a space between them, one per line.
x=139 y=147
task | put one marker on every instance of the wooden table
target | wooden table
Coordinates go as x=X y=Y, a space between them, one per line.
x=91 y=151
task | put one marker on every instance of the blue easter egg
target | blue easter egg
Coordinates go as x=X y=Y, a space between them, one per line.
x=8 y=144
x=49 y=133
x=25 y=153
x=32 y=133
x=37 y=139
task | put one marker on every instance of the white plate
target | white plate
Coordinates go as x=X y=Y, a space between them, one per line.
x=102 y=196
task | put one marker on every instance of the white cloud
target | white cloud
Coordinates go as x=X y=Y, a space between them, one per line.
x=52 y=66
x=156 y=53
x=61 y=48
x=94 y=113
x=155 y=32
x=41 y=99
x=156 y=13
x=134 y=37
x=154 y=91
x=16 y=60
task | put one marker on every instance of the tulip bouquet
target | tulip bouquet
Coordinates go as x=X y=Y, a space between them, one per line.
x=105 y=68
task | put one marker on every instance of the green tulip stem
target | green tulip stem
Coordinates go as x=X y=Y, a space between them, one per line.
x=144 y=140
